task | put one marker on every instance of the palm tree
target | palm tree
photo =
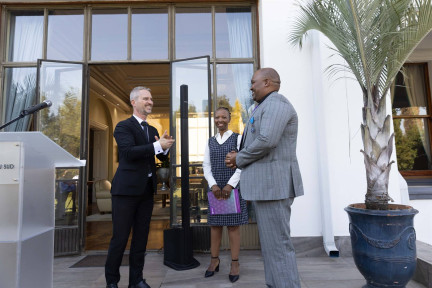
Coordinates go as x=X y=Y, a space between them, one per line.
x=375 y=38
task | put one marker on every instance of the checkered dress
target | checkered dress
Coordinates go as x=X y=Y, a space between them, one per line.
x=222 y=174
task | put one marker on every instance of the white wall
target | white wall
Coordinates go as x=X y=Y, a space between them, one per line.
x=295 y=70
x=422 y=221
x=329 y=139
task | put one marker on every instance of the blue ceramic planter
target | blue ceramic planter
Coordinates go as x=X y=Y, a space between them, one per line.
x=383 y=244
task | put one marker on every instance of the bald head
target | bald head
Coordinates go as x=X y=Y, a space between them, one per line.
x=264 y=81
x=271 y=75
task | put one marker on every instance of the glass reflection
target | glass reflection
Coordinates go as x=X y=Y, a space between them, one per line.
x=408 y=93
x=198 y=188
x=411 y=125
x=25 y=36
x=150 y=34
x=20 y=93
x=109 y=34
x=233 y=32
x=193 y=32
x=65 y=35
x=66 y=197
x=193 y=73
x=233 y=84
x=412 y=144
x=62 y=84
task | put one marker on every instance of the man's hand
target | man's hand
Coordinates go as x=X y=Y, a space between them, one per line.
x=226 y=191
x=230 y=160
x=216 y=192
x=165 y=141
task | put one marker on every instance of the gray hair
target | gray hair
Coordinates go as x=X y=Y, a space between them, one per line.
x=135 y=91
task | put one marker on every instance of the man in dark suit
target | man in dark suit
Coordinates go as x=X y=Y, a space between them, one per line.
x=133 y=187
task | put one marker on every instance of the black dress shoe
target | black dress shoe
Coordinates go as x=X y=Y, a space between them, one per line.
x=111 y=286
x=211 y=273
x=233 y=278
x=141 y=284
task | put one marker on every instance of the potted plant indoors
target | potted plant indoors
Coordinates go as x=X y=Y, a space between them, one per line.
x=375 y=38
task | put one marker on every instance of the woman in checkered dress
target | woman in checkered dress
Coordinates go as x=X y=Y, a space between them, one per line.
x=222 y=180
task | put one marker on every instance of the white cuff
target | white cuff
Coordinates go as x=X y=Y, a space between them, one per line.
x=158 y=148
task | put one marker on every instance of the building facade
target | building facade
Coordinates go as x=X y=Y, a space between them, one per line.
x=86 y=56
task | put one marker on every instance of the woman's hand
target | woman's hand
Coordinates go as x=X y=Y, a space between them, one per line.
x=226 y=191
x=216 y=192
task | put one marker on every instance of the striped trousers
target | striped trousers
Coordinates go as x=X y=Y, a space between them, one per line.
x=280 y=266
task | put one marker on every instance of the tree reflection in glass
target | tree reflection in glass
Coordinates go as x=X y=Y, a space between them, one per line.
x=61 y=83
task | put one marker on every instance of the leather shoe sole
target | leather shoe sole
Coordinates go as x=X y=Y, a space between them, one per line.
x=141 y=284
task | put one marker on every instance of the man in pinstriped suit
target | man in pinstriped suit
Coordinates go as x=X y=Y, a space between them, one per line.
x=270 y=175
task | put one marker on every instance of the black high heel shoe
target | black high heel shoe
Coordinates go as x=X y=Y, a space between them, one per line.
x=211 y=273
x=234 y=278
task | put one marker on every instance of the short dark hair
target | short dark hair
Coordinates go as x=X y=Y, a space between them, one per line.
x=224 y=108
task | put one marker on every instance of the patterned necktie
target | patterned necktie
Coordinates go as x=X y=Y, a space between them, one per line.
x=145 y=128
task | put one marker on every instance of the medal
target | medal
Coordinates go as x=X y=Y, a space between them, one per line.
x=252 y=120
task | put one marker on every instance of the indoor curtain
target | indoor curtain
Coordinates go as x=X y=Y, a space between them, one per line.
x=416 y=91
x=20 y=91
x=20 y=83
x=240 y=43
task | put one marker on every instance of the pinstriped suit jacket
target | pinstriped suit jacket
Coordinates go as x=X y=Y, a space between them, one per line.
x=268 y=160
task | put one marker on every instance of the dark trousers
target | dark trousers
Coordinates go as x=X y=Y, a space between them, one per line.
x=129 y=212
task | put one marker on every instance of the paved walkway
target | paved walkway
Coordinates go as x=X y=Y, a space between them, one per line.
x=315 y=272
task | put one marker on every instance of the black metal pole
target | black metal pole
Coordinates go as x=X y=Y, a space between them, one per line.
x=184 y=131
x=178 y=250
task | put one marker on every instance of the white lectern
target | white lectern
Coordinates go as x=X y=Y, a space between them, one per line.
x=27 y=183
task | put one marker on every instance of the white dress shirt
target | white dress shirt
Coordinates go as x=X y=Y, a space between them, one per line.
x=208 y=175
x=157 y=146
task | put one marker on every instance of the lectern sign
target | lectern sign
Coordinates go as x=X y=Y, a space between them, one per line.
x=9 y=162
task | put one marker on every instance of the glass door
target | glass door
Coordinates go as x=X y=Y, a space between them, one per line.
x=195 y=73
x=62 y=84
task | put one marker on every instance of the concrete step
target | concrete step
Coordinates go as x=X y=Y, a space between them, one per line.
x=423 y=273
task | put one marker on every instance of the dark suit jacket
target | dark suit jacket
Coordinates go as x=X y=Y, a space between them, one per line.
x=136 y=158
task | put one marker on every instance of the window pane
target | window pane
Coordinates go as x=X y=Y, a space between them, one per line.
x=233 y=84
x=150 y=34
x=233 y=32
x=61 y=83
x=109 y=35
x=65 y=35
x=67 y=191
x=193 y=73
x=25 y=36
x=20 y=93
x=412 y=144
x=409 y=95
x=193 y=32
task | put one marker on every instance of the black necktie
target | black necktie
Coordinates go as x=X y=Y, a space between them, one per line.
x=242 y=142
x=145 y=128
x=145 y=125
